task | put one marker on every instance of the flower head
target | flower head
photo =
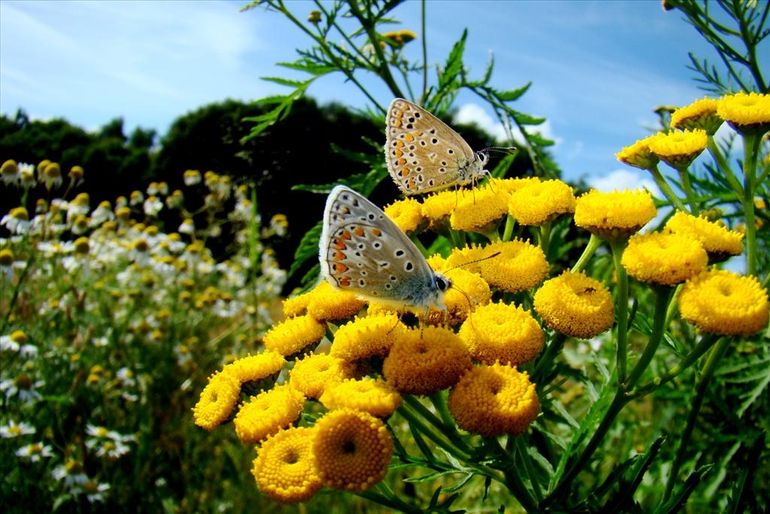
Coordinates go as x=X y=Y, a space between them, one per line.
x=329 y=303
x=13 y=429
x=352 y=450
x=438 y=207
x=638 y=155
x=718 y=241
x=426 y=360
x=724 y=303
x=315 y=372
x=406 y=214
x=664 y=259
x=614 y=215
x=367 y=337
x=216 y=401
x=9 y=172
x=294 y=334
x=34 y=452
x=511 y=266
x=540 y=202
x=494 y=400
x=268 y=412
x=504 y=333
x=678 y=148
x=468 y=291
x=575 y=304
x=368 y=394
x=285 y=467
x=701 y=114
x=745 y=111
x=255 y=367
x=479 y=209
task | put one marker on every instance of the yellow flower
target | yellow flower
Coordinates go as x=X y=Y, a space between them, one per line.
x=406 y=214
x=216 y=401
x=724 y=303
x=575 y=304
x=352 y=450
x=285 y=467
x=267 y=413
x=255 y=367
x=745 y=111
x=701 y=114
x=478 y=210
x=664 y=259
x=467 y=292
x=540 y=202
x=426 y=360
x=297 y=305
x=368 y=394
x=511 y=185
x=494 y=400
x=504 y=333
x=315 y=372
x=718 y=241
x=438 y=207
x=329 y=303
x=614 y=215
x=294 y=334
x=638 y=155
x=367 y=337
x=518 y=266
x=678 y=148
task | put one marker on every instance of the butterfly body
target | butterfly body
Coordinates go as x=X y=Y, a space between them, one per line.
x=361 y=250
x=425 y=154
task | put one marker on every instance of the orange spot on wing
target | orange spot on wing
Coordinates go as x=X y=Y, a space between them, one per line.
x=403 y=172
x=339 y=256
x=345 y=282
x=359 y=231
x=401 y=162
x=339 y=245
x=399 y=144
x=340 y=268
x=409 y=137
x=346 y=235
x=376 y=232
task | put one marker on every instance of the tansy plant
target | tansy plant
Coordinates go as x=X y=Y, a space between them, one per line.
x=630 y=378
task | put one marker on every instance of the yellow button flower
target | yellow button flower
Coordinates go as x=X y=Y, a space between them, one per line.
x=255 y=367
x=540 y=202
x=638 y=155
x=504 y=333
x=426 y=360
x=494 y=400
x=479 y=209
x=315 y=372
x=664 y=259
x=368 y=394
x=367 y=337
x=406 y=214
x=517 y=266
x=678 y=148
x=468 y=291
x=267 y=413
x=614 y=215
x=436 y=208
x=701 y=114
x=724 y=303
x=294 y=334
x=575 y=304
x=745 y=111
x=329 y=303
x=285 y=467
x=718 y=241
x=352 y=450
x=216 y=401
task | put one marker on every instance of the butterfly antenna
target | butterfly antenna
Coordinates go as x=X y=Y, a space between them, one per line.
x=474 y=261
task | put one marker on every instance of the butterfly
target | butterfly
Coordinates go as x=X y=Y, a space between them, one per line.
x=361 y=250
x=424 y=154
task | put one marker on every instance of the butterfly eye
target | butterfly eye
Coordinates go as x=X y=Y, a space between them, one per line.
x=442 y=283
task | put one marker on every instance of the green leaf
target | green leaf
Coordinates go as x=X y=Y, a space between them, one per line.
x=308 y=247
x=751 y=371
x=513 y=94
x=287 y=82
x=454 y=63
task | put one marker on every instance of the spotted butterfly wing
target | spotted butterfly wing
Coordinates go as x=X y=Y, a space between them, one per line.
x=363 y=251
x=424 y=154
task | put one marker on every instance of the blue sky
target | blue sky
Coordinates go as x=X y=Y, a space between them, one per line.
x=598 y=68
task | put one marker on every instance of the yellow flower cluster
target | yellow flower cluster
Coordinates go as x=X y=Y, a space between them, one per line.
x=718 y=241
x=371 y=395
x=406 y=214
x=616 y=214
x=745 y=111
x=575 y=304
x=540 y=202
x=323 y=303
x=678 y=148
x=510 y=266
x=664 y=259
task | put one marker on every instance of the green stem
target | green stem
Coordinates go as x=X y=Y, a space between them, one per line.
x=706 y=342
x=510 y=223
x=621 y=310
x=513 y=481
x=525 y=459
x=419 y=245
x=16 y=290
x=662 y=296
x=392 y=502
x=408 y=412
x=662 y=183
x=724 y=167
x=545 y=237
x=593 y=244
x=700 y=392
x=684 y=176
x=751 y=149
x=543 y=367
